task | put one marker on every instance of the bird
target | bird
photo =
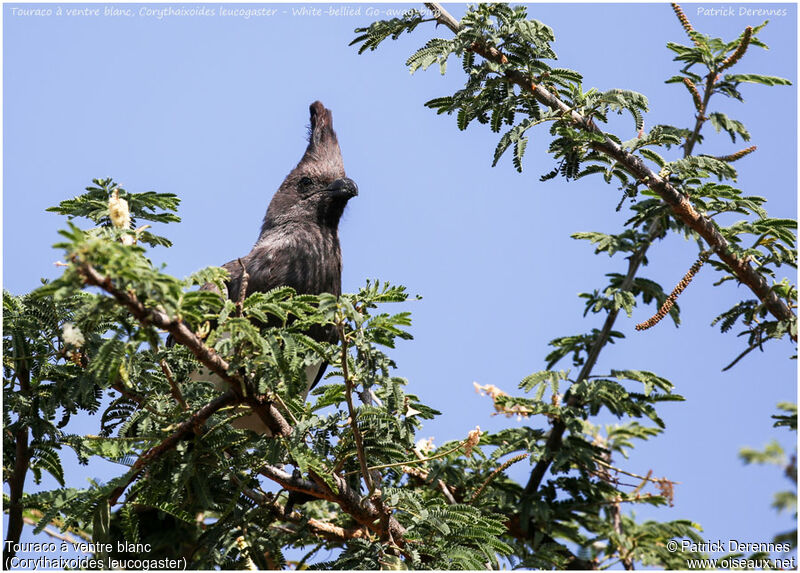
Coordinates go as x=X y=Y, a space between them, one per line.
x=298 y=245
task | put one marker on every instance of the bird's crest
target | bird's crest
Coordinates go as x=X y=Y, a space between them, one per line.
x=322 y=164
x=323 y=153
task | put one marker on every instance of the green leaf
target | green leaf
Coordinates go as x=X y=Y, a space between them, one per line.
x=720 y=121
x=757 y=79
x=701 y=166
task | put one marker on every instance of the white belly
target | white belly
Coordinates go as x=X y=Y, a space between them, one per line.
x=250 y=421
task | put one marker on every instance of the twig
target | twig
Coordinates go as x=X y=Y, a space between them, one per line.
x=300 y=564
x=174 y=389
x=197 y=419
x=559 y=427
x=614 y=508
x=688 y=147
x=363 y=511
x=320 y=528
x=362 y=461
x=65 y=537
x=633 y=475
x=644 y=481
x=443 y=487
x=747 y=351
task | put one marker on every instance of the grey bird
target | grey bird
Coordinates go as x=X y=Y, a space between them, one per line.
x=299 y=241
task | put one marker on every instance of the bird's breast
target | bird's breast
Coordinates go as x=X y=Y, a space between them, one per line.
x=311 y=263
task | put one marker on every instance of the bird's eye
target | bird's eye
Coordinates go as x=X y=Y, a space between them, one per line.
x=306 y=182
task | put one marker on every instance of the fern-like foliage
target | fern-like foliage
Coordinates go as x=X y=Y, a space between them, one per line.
x=202 y=491
x=511 y=85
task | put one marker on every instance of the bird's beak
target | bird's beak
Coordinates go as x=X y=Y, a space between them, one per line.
x=344 y=188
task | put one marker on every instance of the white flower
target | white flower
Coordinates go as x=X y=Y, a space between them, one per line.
x=411 y=412
x=119 y=212
x=424 y=446
x=488 y=390
x=72 y=335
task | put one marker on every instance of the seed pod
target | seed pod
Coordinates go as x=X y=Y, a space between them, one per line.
x=670 y=302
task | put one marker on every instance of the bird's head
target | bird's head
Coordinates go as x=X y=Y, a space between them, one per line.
x=317 y=190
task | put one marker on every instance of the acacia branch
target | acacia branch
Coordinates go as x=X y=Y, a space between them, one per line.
x=362 y=460
x=363 y=511
x=553 y=443
x=185 y=428
x=680 y=205
x=182 y=334
x=318 y=527
x=65 y=537
x=173 y=387
x=16 y=484
x=420 y=459
x=746 y=351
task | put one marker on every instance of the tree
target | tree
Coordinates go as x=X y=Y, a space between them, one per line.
x=203 y=494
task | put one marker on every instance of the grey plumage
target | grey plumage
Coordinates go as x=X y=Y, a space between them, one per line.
x=298 y=245
x=299 y=241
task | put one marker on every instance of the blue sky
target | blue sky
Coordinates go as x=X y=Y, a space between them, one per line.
x=215 y=108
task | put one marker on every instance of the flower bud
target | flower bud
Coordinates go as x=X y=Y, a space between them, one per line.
x=472 y=440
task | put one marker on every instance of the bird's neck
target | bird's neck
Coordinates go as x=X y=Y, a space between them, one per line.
x=297 y=230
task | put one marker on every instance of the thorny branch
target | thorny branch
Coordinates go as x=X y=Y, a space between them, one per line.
x=271 y=417
x=680 y=205
x=16 y=484
x=363 y=511
x=681 y=208
x=318 y=527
